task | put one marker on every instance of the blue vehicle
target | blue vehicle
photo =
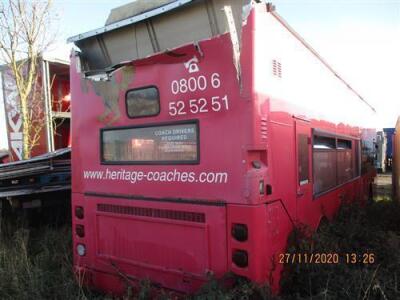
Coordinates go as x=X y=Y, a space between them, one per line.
x=389 y=132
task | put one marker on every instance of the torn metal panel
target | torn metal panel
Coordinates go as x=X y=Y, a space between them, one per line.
x=160 y=29
x=180 y=55
x=109 y=84
x=134 y=8
x=108 y=88
x=234 y=39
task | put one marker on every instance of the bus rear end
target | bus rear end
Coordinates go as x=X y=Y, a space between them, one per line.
x=167 y=172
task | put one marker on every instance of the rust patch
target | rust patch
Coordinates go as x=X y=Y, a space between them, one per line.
x=109 y=91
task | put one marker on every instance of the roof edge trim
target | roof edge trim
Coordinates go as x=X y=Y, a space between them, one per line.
x=129 y=21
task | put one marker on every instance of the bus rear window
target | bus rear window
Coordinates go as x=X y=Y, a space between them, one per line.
x=143 y=102
x=165 y=144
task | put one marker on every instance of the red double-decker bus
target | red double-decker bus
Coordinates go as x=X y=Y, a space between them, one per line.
x=204 y=132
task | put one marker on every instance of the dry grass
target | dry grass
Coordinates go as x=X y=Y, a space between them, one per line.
x=36 y=263
x=375 y=230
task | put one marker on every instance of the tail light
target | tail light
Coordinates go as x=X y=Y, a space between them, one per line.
x=240 y=232
x=80 y=230
x=79 y=212
x=240 y=258
x=269 y=189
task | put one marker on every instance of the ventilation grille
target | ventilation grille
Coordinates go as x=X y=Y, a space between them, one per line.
x=153 y=213
x=276 y=68
x=264 y=128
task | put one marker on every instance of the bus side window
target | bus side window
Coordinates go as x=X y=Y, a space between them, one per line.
x=357 y=159
x=302 y=159
x=324 y=162
x=345 y=166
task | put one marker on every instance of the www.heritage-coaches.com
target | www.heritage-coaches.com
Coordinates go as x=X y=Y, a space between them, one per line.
x=157 y=176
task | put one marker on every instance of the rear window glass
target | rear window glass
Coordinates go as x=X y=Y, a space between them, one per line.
x=143 y=102
x=166 y=144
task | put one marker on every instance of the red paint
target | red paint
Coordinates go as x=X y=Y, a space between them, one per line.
x=177 y=233
x=4 y=158
x=61 y=97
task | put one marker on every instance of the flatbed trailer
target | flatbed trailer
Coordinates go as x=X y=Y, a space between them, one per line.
x=23 y=183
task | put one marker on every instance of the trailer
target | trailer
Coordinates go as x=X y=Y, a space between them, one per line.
x=52 y=108
x=45 y=178
x=205 y=132
x=38 y=182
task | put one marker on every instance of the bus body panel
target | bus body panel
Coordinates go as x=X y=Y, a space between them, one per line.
x=224 y=122
x=263 y=133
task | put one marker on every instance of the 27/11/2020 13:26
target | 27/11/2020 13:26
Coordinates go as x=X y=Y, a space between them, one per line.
x=326 y=258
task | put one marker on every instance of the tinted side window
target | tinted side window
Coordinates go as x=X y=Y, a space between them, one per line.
x=357 y=160
x=324 y=142
x=345 y=168
x=324 y=161
x=334 y=161
x=143 y=102
x=302 y=158
x=343 y=144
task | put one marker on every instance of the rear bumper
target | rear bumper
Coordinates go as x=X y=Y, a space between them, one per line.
x=174 y=245
x=117 y=283
x=177 y=246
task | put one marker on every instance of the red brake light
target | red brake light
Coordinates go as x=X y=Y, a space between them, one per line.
x=79 y=212
x=80 y=230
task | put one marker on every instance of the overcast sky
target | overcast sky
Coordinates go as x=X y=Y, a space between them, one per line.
x=360 y=39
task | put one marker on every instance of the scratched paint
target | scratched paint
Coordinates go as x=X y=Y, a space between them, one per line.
x=109 y=91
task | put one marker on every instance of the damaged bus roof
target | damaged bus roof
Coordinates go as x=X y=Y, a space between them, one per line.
x=139 y=10
x=143 y=28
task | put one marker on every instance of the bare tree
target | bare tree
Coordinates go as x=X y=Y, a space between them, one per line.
x=24 y=36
